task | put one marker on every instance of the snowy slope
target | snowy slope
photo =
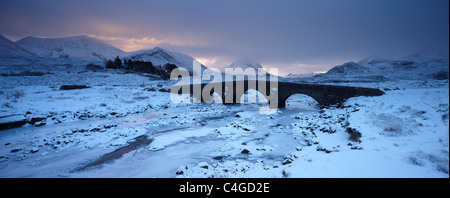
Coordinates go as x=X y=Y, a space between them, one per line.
x=160 y=57
x=81 y=47
x=10 y=49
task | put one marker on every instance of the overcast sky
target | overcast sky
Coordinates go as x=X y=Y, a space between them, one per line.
x=295 y=36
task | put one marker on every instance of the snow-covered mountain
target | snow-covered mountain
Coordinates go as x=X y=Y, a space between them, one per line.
x=347 y=69
x=10 y=49
x=301 y=75
x=81 y=47
x=160 y=57
x=247 y=63
x=244 y=64
x=88 y=49
x=408 y=68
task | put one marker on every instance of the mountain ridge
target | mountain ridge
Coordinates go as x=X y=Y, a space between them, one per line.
x=10 y=49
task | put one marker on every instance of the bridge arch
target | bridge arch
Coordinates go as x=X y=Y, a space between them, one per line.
x=253 y=96
x=214 y=97
x=301 y=101
x=217 y=98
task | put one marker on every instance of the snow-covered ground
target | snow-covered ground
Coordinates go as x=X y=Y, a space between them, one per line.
x=125 y=125
x=404 y=134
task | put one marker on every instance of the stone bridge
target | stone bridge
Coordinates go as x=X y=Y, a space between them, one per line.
x=275 y=92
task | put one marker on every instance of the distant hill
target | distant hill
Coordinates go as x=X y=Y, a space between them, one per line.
x=409 y=68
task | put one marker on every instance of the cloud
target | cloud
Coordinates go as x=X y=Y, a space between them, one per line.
x=130 y=44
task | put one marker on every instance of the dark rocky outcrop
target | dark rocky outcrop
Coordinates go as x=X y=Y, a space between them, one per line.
x=71 y=87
